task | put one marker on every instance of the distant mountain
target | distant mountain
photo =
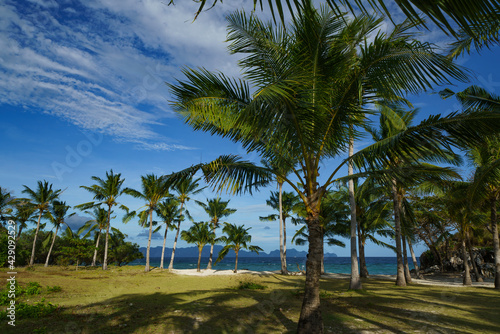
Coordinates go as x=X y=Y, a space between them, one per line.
x=193 y=252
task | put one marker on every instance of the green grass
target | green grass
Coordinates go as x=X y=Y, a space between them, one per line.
x=127 y=300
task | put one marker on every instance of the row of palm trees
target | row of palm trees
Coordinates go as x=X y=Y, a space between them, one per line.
x=306 y=92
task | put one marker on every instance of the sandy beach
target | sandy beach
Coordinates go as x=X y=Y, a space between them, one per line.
x=445 y=279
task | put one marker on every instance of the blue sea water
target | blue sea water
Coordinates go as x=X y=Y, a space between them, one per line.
x=338 y=265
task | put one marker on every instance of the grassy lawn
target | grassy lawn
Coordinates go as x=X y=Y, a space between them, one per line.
x=127 y=300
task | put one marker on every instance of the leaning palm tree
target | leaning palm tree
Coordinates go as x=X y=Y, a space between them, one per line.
x=41 y=199
x=96 y=224
x=200 y=235
x=169 y=212
x=6 y=203
x=57 y=216
x=105 y=192
x=154 y=189
x=215 y=209
x=236 y=238
x=305 y=96
x=186 y=188
x=286 y=203
x=25 y=212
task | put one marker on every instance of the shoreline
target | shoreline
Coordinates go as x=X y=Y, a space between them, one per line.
x=445 y=279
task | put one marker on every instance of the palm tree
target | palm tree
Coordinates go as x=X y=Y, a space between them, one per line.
x=237 y=238
x=286 y=203
x=24 y=214
x=200 y=235
x=186 y=188
x=154 y=189
x=57 y=216
x=96 y=225
x=41 y=199
x=105 y=192
x=486 y=159
x=306 y=94
x=170 y=213
x=215 y=209
x=6 y=202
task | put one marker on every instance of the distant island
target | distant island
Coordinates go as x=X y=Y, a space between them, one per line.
x=193 y=252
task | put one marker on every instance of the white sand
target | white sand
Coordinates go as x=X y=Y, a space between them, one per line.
x=436 y=281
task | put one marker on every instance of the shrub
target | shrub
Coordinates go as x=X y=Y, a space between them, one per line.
x=33 y=288
x=35 y=311
x=250 y=286
x=55 y=288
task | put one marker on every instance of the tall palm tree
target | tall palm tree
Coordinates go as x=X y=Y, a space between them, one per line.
x=305 y=97
x=41 y=198
x=96 y=225
x=58 y=215
x=215 y=209
x=236 y=238
x=186 y=188
x=154 y=189
x=105 y=192
x=200 y=235
x=169 y=212
x=286 y=203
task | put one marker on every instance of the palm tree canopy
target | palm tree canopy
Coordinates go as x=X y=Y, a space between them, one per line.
x=99 y=221
x=199 y=234
x=105 y=190
x=154 y=189
x=42 y=196
x=216 y=209
x=236 y=238
x=290 y=204
x=474 y=18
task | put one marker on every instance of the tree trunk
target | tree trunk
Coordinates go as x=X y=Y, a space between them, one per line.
x=284 y=245
x=405 y=262
x=472 y=260
x=496 y=242
x=322 y=251
x=32 y=260
x=105 y=260
x=163 y=249
x=236 y=251
x=362 y=260
x=467 y=279
x=19 y=233
x=355 y=283
x=199 y=259
x=146 y=269
x=51 y=245
x=96 y=248
x=414 y=259
x=400 y=279
x=310 y=320
x=284 y=270
x=209 y=266
x=171 y=265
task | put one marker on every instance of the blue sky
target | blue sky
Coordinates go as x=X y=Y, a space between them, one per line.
x=83 y=92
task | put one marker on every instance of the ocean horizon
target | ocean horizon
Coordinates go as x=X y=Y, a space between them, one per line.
x=337 y=265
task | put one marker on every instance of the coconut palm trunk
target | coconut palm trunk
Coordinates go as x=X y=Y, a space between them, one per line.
x=209 y=265
x=414 y=259
x=146 y=269
x=362 y=260
x=96 y=248
x=467 y=279
x=355 y=283
x=51 y=246
x=472 y=260
x=405 y=261
x=32 y=260
x=199 y=259
x=171 y=265
x=400 y=279
x=310 y=320
x=284 y=270
x=163 y=248
x=496 y=241
x=236 y=251
x=105 y=260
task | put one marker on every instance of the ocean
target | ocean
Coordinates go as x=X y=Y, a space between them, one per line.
x=338 y=265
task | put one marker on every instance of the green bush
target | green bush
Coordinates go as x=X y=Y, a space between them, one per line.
x=35 y=311
x=55 y=288
x=33 y=288
x=250 y=286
